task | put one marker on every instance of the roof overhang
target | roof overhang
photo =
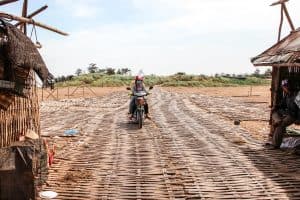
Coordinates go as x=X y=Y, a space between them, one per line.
x=285 y=53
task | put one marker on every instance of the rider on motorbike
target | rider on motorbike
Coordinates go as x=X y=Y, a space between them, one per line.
x=138 y=86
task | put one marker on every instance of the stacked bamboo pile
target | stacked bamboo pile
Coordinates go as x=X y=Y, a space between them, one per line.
x=22 y=115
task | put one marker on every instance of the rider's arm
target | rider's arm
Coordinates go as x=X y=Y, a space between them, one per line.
x=144 y=88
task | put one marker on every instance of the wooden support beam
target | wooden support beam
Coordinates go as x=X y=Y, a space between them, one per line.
x=31 y=21
x=24 y=14
x=288 y=17
x=280 y=25
x=3 y=2
x=279 y=2
x=286 y=12
x=31 y=15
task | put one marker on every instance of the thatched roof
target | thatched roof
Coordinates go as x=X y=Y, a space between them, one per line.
x=21 y=55
x=285 y=53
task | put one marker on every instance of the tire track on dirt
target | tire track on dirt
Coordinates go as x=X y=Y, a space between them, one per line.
x=183 y=153
x=226 y=163
x=120 y=162
x=75 y=173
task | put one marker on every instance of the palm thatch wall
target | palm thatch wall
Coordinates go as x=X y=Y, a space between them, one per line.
x=19 y=61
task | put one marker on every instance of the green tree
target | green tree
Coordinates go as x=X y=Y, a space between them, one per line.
x=110 y=71
x=78 y=71
x=268 y=72
x=119 y=71
x=92 y=68
x=256 y=73
x=125 y=71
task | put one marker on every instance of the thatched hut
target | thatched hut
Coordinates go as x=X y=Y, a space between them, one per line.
x=19 y=59
x=20 y=161
x=284 y=57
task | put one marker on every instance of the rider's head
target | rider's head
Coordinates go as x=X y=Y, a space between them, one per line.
x=139 y=78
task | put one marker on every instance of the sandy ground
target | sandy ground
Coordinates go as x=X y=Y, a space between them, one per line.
x=258 y=128
x=191 y=149
x=248 y=94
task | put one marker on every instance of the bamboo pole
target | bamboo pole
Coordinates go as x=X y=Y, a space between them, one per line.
x=288 y=17
x=33 y=14
x=280 y=24
x=24 y=14
x=285 y=10
x=3 y=2
x=92 y=91
x=279 y=2
x=31 y=21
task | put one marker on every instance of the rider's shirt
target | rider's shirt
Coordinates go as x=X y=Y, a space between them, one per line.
x=139 y=86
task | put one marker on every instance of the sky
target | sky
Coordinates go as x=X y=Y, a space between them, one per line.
x=160 y=37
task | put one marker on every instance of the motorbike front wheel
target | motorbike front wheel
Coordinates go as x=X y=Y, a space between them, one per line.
x=140 y=118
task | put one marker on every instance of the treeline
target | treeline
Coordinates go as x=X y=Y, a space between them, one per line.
x=92 y=68
x=95 y=76
x=257 y=73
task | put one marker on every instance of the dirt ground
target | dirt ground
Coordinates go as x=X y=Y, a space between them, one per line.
x=190 y=149
x=258 y=128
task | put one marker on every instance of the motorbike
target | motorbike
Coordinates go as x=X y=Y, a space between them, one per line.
x=139 y=111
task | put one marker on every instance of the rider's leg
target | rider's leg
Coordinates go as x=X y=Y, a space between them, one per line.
x=131 y=107
x=147 y=110
x=131 y=104
x=281 y=127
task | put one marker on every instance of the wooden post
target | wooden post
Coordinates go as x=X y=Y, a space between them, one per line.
x=92 y=91
x=288 y=17
x=24 y=14
x=285 y=11
x=280 y=25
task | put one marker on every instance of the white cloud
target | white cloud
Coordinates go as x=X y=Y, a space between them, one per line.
x=197 y=36
x=80 y=8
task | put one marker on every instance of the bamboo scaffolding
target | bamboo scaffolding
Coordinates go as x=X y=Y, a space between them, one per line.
x=31 y=21
x=31 y=15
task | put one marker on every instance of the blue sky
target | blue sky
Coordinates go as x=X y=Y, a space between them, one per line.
x=158 y=36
